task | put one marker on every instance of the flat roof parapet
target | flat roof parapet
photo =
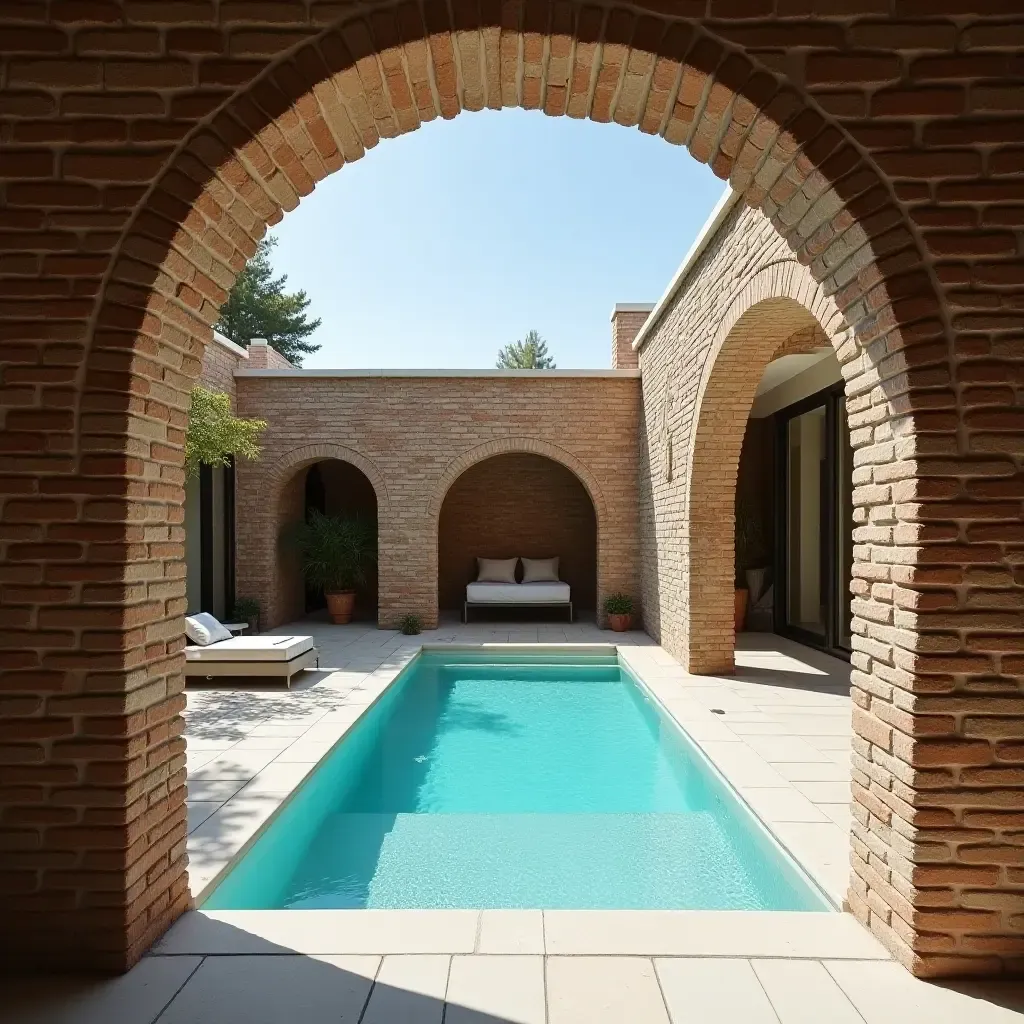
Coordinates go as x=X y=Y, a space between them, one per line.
x=497 y=374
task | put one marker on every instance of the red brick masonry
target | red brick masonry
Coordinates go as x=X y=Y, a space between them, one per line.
x=146 y=147
x=414 y=437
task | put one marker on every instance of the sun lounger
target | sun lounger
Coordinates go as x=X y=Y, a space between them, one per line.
x=266 y=656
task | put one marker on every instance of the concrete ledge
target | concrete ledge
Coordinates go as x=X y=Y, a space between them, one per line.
x=701 y=933
x=496 y=374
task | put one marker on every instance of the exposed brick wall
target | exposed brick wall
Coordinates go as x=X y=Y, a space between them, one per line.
x=746 y=302
x=936 y=628
x=266 y=357
x=147 y=146
x=219 y=365
x=408 y=435
x=627 y=319
x=517 y=505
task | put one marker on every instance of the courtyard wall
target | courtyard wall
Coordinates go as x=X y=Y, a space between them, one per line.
x=413 y=434
x=741 y=283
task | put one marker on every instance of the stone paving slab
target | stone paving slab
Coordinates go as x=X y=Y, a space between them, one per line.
x=502 y=989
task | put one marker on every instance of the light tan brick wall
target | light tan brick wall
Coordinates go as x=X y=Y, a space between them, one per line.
x=219 y=365
x=934 y=844
x=746 y=301
x=413 y=437
x=266 y=357
x=517 y=505
x=627 y=319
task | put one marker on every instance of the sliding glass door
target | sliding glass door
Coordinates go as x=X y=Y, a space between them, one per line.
x=814 y=535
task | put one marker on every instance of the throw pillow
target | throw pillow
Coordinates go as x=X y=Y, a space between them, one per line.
x=496 y=570
x=203 y=629
x=540 y=570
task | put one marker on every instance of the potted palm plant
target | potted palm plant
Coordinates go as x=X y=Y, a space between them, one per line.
x=335 y=552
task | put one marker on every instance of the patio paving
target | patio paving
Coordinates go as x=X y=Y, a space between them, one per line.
x=778 y=730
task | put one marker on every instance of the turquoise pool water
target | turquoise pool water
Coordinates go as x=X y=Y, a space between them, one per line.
x=529 y=781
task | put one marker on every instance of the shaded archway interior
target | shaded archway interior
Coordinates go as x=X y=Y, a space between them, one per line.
x=335 y=488
x=793 y=490
x=517 y=505
x=766 y=331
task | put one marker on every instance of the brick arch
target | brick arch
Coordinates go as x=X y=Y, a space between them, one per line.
x=504 y=445
x=126 y=230
x=365 y=79
x=270 y=573
x=779 y=311
x=300 y=458
x=528 y=445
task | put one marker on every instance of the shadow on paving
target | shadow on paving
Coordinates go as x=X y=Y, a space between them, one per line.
x=229 y=711
x=789 y=680
x=258 y=982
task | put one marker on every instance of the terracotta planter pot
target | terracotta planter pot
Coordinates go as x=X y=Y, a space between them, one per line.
x=340 y=606
x=620 y=623
x=742 y=596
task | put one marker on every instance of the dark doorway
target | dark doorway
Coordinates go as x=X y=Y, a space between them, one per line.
x=814 y=527
x=338 y=488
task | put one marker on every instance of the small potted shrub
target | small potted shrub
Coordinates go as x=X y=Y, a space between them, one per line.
x=410 y=625
x=335 y=553
x=619 y=608
x=247 y=609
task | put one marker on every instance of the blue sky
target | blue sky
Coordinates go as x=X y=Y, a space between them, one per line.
x=441 y=246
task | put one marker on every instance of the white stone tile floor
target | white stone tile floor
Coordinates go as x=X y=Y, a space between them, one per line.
x=778 y=730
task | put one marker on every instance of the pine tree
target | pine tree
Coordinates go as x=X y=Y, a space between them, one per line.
x=529 y=354
x=259 y=307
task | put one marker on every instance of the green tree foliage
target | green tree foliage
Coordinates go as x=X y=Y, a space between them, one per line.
x=215 y=433
x=529 y=354
x=259 y=307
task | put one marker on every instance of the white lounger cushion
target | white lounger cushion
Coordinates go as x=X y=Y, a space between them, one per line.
x=517 y=593
x=252 y=648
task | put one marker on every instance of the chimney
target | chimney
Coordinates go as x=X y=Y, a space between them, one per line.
x=259 y=355
x=627 y=319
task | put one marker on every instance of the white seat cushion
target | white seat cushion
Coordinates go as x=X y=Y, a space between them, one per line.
x=517 y=593
x=252 y=648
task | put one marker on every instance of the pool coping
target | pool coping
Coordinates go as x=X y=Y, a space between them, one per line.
x=261 y=803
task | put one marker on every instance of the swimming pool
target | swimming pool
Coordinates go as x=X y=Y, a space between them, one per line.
x=548 y=781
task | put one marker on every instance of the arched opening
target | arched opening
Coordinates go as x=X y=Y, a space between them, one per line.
x=755 y=515
x=105 y=385
x=333 y=487
x=794 y=508
x=517 y=505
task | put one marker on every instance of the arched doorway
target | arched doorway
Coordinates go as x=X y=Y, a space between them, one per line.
x=795 y=324
x=794 y=507
x=333 y=487
x=517 y=505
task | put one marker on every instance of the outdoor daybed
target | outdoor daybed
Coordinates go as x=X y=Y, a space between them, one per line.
x=276 y=657
x=496 y=586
